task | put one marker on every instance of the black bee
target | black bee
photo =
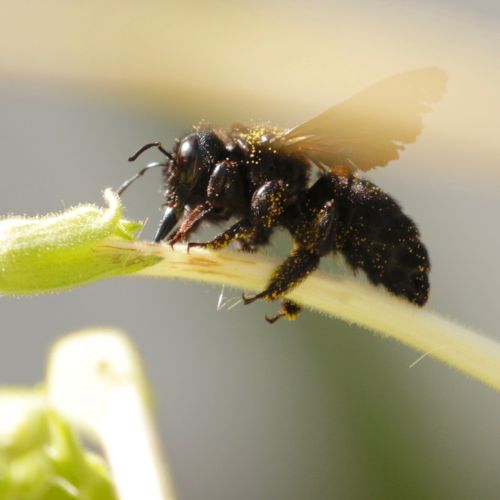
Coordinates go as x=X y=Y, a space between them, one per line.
x=262 y=176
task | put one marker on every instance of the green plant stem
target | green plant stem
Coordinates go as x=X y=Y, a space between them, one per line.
x=131 y=447
x=341 y=297
x=96 y=381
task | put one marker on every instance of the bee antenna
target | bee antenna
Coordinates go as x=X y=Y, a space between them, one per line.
x=141 y=172
x=148 y=146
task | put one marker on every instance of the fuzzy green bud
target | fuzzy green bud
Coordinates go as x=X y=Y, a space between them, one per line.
x=67 y=249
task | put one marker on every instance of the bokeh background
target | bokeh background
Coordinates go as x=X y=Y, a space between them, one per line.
x=313 y=409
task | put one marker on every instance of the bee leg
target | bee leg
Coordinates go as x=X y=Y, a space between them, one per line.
x=267 y=206
x=289 y=310
x=190 y=223
x=237 y=231
x=297 y=266
x=313 y=241
x=327 y=225
x=225 y=187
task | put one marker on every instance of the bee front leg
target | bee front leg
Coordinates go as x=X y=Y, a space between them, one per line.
x=191 y=222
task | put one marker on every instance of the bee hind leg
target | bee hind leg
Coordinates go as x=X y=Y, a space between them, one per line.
x=289 y=310
x=313 y=240
x=297 y=266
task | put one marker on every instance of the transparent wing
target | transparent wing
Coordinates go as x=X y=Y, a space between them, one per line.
x=371 y=128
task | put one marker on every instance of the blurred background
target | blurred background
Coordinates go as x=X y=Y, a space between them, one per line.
x=312 y=409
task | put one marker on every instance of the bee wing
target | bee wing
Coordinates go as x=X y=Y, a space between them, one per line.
x=369 y=129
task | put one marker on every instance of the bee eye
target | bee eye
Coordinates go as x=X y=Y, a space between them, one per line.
x=187 y=156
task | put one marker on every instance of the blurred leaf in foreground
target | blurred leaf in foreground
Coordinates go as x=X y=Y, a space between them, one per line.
x=40 y=457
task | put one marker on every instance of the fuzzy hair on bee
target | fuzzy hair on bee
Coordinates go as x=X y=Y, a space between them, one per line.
x=305 y=180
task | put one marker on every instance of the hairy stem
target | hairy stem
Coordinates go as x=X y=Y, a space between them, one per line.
x=341 y=297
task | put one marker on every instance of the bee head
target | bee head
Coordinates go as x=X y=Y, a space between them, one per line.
x=187 y=174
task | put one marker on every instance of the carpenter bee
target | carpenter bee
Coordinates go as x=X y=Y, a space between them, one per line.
x=304 y=179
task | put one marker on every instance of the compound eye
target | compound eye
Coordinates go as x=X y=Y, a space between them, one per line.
x=187 y=156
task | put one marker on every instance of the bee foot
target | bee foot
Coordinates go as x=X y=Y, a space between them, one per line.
x=176 y=238
x=249 y=300
x=289 y=310
x=273 y=319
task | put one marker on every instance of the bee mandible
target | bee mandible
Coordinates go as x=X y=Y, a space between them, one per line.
x=305 y=180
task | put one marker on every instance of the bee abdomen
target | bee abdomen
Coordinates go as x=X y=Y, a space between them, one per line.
x=403 y=270
x=385 y=243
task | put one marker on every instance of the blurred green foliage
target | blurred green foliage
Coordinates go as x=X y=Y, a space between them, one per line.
x=42 y=459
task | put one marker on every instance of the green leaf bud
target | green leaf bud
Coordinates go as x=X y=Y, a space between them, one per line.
x=67 y=249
